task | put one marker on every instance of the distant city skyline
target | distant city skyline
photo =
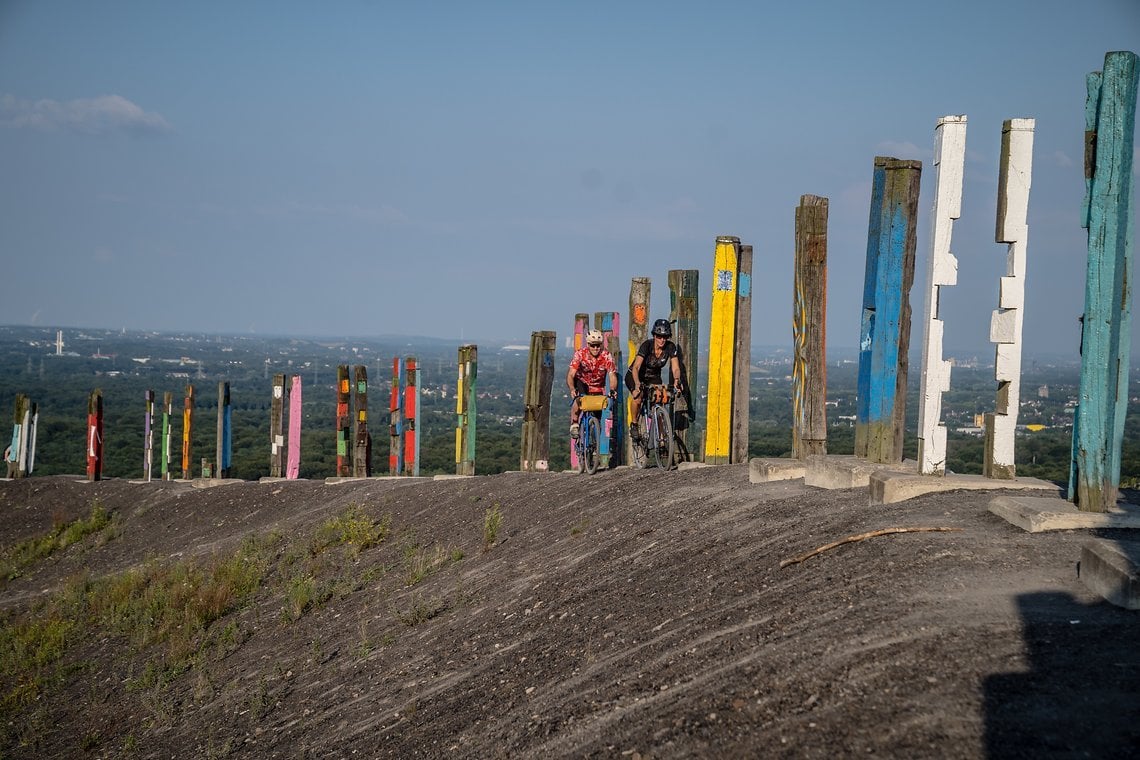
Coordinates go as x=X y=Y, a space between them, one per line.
x=469 y=171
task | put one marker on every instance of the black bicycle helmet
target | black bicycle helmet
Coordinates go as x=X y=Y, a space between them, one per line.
x=663 y=328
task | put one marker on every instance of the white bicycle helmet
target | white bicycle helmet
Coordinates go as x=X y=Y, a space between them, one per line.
x=595 y=338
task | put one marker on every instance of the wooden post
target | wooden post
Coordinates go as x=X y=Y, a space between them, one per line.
x=639 y=292
x=536 y=398
x=465 y=410
x=342 y=396
x=187 y=431
x=167 y=411
x=683 y=299
x=885 y=331
x=1098 y=430
x=396 y=416
x=1014 y=179
x=225 y=434
x=722 y=344
x=362 y=441
x=16 y=460
x=148 y=434
x=293 y=462
x=942 y=271
x=277 y=429
x=412 y=418
x=95 y=435
x=742 y=357
x=809 y=329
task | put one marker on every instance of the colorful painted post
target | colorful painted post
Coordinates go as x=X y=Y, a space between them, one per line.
x=465 y=410
x=942 y=271
x=293 y=461
x=187 y=430
x=1014 y=179
x=342 y=396
x=639 y=292
x=277 y=428
x=1098 y=430
x=535 y=455
x=95 y=435
x=742 y=357
x=683 y=299
x=613 y=443
x=809 y=329
x=412 y=417
x=722 y=344
x=225 y=432
x=581 y=327
x=885 y=331
x=396 y=415
x=362 y=441
x=148 y=434
x=167 y=411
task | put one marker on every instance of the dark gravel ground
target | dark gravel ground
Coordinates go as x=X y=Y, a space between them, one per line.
x=632 y=613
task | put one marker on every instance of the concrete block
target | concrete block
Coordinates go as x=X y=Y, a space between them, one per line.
x=831 y=471
x=692 y=465
x=887 y=487
x=1112 y=569
x=766 y=470
x=1037 y=514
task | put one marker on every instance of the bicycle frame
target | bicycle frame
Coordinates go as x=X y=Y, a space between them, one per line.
x=591 y=445
x=655 y=420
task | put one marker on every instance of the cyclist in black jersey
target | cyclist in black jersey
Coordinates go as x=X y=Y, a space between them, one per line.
x=652 y=357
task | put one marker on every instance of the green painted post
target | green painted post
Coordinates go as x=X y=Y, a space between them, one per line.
x=465 y=410
x=1098 y=430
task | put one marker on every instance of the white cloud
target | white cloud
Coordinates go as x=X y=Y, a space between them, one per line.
x=105 y=114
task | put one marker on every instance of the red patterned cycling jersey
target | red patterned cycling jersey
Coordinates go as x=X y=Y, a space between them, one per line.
x=592 y=370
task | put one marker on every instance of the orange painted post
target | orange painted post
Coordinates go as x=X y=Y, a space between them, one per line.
x=95 y=435
x=412 y=418
x=187 y=430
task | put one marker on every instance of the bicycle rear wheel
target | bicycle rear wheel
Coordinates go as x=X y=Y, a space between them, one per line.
x=663 y=435
x=593 y=435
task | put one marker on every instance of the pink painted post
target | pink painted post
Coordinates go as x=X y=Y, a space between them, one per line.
x=293 y=466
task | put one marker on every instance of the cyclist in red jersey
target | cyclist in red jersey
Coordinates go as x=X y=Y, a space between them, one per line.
x=589 y=369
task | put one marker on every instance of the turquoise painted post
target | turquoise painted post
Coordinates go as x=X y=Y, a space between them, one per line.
x=885 y=335
x=1098 y=430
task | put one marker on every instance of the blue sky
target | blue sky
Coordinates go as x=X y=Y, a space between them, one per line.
x=482 y=170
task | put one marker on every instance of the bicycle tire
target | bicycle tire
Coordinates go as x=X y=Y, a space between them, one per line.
x=638 y=449
x=663 y=445
x=593 y=435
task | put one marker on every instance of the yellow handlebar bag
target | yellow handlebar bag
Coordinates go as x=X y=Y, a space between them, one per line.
x=592 y=403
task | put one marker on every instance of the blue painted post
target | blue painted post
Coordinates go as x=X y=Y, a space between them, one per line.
x=885 y=329
x=1098 y=430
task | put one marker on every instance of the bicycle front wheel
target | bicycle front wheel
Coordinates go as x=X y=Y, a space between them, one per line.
x=663 y=434
x=593 y=435
x=639 y=448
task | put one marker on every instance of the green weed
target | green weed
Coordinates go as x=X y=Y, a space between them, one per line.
x=492 y=522
x=23 y=555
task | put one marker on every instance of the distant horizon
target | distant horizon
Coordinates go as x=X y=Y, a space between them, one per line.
x=984 y=355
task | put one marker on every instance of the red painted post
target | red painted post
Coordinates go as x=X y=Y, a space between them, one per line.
x=95 y=435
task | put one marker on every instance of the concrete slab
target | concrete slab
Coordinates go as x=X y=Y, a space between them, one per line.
x=692 y=465
x=333 y=480
x=839 y=471
x=450 y=476
x=767 y=470
x=1035 y=514
x=212 y=482
x=888 y=487
x=1112 y=569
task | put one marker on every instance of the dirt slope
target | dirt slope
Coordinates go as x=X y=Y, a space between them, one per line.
x=624 y=614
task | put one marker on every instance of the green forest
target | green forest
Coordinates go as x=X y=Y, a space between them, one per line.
x=123 y=366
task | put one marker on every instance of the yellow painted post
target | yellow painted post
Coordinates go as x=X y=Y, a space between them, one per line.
x=722 y=343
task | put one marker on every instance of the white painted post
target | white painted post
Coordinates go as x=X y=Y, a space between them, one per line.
x=949 y=160
x=1014 y=177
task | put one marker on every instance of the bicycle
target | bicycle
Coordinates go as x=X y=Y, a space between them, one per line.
x=588 y=443
x=655 y=428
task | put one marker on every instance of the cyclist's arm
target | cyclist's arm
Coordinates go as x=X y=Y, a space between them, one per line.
x=675 y=369
x=636 y=370
x=570 y=377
